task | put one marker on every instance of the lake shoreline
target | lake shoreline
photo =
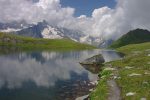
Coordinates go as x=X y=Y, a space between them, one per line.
x=99 y=61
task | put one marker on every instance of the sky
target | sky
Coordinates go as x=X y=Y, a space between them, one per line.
x=86 y=7
x=105 y=19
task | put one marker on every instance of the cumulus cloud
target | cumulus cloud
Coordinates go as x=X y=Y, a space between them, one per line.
x=104 y=22
x=112 y=23
x=34 y=11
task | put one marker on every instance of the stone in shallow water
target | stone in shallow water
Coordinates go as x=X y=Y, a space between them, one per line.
x=82 y=98
x=94 y=82
x=91 y=90
x=135 y=74
x=130 y=93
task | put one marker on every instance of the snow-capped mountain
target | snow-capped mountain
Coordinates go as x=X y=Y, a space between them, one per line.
x=44 y=30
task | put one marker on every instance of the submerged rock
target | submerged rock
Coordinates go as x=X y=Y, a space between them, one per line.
x=82 y=98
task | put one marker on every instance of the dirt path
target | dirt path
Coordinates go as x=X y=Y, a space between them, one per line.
x=114 y=93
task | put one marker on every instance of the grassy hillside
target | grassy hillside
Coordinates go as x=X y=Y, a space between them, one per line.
x=39 y=44
x=132 y=37
x=132 y=74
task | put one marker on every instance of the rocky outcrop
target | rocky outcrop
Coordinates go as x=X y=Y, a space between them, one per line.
x=98 y=59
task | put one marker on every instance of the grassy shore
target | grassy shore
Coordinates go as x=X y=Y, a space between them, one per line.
x=132 y=74
x=27 y=43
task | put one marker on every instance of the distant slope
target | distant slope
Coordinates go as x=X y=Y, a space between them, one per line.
x=132 y=37
x=39 y=44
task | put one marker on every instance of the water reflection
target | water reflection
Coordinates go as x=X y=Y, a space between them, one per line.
x=110 y=55
x=43 y=68
x=49 y=75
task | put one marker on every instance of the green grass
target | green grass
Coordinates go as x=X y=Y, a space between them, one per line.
x=132 y=37
x=27 y=43
x=101 y=91
x=136 y=56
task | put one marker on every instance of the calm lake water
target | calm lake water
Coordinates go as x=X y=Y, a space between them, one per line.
x=46 y=75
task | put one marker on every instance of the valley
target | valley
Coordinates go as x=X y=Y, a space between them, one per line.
x=129 y=74
x=74 y=50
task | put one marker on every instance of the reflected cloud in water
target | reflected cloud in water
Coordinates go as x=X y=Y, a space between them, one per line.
x=42 y=68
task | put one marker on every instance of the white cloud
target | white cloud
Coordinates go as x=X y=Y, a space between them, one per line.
x=104 y=22
x=49 y=10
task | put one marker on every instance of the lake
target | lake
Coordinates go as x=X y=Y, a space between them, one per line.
x=47 y=75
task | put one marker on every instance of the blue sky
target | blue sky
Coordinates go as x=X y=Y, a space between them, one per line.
x=86 y=7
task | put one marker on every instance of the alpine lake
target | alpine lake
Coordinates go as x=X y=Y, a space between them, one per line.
x=48 y=75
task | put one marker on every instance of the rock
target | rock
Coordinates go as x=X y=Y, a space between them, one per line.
x=91 y=90
x=146 y=83
x=134 y=74
x=137 y=52
x=147 y=73
x=143 y=99
x=98 y=59
x=94 y=82
x=109 y=69
x=130 y=94
x=148 y=50
x=148 y=55
x=116 y=77
x=128 y=67
x=82 y=98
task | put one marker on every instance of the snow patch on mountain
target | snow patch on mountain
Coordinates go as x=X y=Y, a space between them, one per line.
x=86 y=39
x=51 y=33
x=44 y=30
x=9 y=30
